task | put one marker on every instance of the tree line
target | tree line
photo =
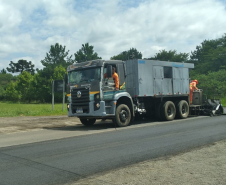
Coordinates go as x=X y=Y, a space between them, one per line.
x=34 y=85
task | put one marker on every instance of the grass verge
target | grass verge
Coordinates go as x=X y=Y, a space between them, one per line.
x=20 y=109
x=223 y=101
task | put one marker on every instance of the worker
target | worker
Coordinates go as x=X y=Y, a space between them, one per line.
x=192 y=88
x=115 y=77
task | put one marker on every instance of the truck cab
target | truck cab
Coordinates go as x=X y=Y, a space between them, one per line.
x=91 y=96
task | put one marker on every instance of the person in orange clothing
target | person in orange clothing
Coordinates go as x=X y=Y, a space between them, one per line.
x=115 y=77
x=192 y=88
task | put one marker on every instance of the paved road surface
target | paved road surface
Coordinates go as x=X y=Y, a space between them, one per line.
x=64 y=160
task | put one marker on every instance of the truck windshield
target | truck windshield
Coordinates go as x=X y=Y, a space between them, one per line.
x=84 y=75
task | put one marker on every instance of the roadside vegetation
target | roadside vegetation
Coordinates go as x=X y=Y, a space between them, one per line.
x=21 y=109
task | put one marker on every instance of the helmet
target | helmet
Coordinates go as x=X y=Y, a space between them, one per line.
x=196 y=81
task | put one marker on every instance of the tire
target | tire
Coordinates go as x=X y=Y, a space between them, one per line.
x=87 y=122
x=122 y=116
x=168 y=111
x=182 y=109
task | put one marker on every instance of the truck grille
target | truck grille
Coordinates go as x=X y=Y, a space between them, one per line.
x=80 y=101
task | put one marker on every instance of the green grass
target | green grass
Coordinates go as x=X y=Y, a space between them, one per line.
x=223 y=101
x=20 y=109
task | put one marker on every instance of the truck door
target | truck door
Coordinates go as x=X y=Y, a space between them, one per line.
x=158 y=79
x=121 y=75
x=185 y=81
x=177 y=80
x=167 y=81
x=109 y=84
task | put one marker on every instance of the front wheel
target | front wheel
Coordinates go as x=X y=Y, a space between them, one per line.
x=122 y=115
x=87 y=122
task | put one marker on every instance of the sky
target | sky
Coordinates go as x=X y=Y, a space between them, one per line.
x=29 y=28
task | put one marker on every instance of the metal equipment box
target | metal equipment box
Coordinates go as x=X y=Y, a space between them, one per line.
x=197 y=97
x=154 y=78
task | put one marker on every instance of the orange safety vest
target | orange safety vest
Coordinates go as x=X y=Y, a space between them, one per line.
x=116 y=79
x=193 y=86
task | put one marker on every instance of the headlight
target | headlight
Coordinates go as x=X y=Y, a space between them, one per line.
x=97 y=105
x=68 y=106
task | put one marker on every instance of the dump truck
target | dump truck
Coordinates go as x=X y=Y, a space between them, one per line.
x=146 y=87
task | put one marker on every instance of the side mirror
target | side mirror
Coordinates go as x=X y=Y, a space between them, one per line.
x=109 y=71
x=124 y=67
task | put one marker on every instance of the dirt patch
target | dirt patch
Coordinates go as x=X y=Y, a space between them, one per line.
x=22 y=124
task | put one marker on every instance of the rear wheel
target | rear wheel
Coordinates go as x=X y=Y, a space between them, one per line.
x=168 y=111
x=122 y=115
x=87 y=121
x=182 y=109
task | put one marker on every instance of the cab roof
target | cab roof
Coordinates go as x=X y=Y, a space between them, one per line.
x=92 y=63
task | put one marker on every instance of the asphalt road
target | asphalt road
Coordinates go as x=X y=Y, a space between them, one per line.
x=66 y=160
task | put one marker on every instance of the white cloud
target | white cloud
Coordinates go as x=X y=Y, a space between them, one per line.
x=28 y=28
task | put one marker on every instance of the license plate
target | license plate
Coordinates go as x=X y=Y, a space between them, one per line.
x=79 y=110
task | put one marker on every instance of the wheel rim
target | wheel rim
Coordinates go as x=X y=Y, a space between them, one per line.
x=123 y=116
x=184 y=109
x=170 y=111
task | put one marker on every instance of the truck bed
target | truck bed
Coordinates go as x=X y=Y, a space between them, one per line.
x=155 y=78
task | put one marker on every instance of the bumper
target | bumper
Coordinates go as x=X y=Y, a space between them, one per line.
x=103 y=111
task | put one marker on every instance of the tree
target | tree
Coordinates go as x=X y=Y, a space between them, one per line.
x=20 y=66
x=130 y=54
x=86 y=53
x=2 y=92
x=212 y=83
x=40 y=88
x=11 y=93
x=57 y=56
x=170 y=55
x=6 y=78
x=24 y=86
x=59 y=73
x=210 y=55
x=3 y=71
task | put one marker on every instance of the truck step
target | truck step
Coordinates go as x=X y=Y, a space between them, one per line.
x=108 y=106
